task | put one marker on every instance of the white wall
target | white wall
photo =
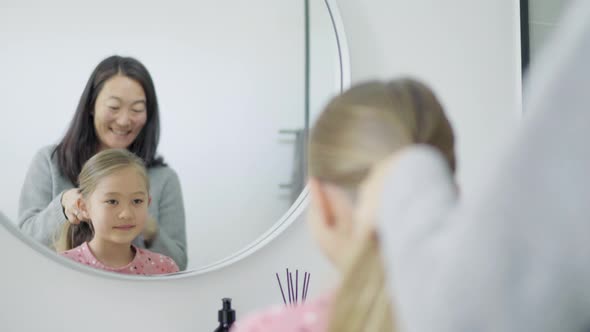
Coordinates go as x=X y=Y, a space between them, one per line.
x=468 y=50
x=229 y=76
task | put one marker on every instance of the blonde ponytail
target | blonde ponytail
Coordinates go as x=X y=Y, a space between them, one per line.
x=363 y=302
x=355 y=131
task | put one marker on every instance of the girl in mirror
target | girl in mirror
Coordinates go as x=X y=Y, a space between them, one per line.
x=355 y=132
x=118 y=109
x=113 y=205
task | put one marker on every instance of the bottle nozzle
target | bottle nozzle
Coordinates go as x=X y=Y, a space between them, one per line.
x=226 y=303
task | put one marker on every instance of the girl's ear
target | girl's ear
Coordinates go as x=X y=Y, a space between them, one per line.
x=321 y=200
x=149 y=200
x=83 y=208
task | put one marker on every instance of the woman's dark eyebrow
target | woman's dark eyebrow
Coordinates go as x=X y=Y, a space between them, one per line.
x=135 y=102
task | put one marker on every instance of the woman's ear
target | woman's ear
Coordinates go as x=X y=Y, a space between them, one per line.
x=321 y=201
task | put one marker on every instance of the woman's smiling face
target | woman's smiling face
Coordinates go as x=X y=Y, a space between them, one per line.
x=119 y=112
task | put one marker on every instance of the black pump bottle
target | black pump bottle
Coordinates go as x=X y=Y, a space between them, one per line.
x=226 y=316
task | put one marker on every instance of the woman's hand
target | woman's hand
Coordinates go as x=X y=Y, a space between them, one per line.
x=370 y=196
x=70 y=204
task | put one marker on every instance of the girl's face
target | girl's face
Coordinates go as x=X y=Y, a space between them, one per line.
x=118 y=207
x=119 y=112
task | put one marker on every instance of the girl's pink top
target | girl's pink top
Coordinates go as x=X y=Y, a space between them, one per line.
x=145 y=262
x=312 y=316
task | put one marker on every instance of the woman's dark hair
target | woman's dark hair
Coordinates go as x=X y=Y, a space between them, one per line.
x=81 y=141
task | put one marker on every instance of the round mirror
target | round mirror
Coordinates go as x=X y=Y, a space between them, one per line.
x=238 y=86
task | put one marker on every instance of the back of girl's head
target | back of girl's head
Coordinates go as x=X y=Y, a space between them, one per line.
x=356 y=130
x=81 y=141
x=372 y=120
x=95 y=169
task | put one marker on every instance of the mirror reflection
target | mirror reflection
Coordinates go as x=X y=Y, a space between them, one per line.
x=211 y=98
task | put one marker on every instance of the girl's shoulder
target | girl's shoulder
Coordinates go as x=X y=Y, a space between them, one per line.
x=80 y=254
x=309 y=316
x=151 y=262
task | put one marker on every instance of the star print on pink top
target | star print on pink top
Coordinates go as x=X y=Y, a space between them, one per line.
x=145 y=262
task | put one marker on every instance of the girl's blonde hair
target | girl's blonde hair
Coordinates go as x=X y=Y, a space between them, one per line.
x=355 y=131
x=369 y=122
x=94 y=170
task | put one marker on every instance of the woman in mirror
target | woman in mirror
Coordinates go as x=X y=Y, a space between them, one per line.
x=114 y=188
x=118 y=109
x=356 y=131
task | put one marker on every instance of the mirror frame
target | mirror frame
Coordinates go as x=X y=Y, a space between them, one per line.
x=525 y=43
x=293 y=214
